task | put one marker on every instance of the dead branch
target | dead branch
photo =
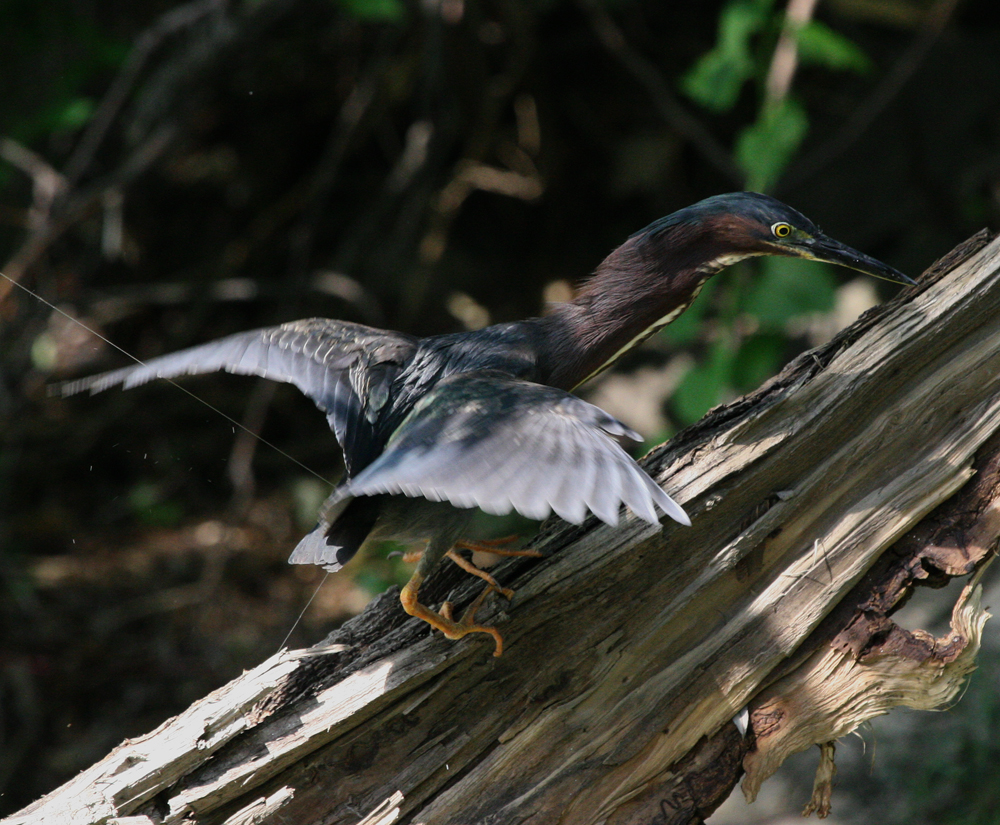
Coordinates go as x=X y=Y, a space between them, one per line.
x=868 y=466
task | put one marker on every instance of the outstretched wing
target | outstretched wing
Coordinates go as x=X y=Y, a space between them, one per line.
x=487 y=440
x=346 y=369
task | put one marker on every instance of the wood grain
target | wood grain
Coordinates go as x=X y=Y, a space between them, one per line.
x=630 y=650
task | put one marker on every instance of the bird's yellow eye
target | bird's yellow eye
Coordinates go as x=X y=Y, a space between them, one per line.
x=781 y=230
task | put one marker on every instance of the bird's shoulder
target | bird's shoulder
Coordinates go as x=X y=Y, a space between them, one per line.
x=335 y=343
x=512 y=349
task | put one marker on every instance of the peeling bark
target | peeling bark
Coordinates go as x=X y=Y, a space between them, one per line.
x=869 y=466
x=865 y=664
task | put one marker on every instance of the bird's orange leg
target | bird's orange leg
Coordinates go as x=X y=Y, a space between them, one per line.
x=443 y=621
x=494 y=546
x=469 y=567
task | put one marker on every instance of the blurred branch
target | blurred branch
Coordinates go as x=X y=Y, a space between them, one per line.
x=169 y=599
x=786 y=53
x=666 y=104
x=52 y=215
x=480 y=140
x=354 y=110
x=145 y=44
x=152 y=126
x=74 y=207
x=239 y=468
x=47 y=183
x=869 y=110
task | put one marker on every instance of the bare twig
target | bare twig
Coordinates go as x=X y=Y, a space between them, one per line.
x=145 y=44
x=47 y=183
x=80 y=205
x=868 y=112
x=656 y=86
x=240 y=465
x=785 y=60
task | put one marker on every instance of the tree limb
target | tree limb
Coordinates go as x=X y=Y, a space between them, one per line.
x=867 y=466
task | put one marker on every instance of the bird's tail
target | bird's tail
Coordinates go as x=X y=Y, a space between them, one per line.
x=344 y=524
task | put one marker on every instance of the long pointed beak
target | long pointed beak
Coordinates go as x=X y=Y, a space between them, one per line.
x=826 y=249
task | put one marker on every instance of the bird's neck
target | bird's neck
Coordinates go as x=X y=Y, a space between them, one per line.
x=636 y=291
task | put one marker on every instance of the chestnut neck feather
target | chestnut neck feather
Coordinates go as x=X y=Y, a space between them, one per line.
x=637 y=289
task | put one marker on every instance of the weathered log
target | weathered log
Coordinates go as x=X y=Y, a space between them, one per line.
x=867 y=466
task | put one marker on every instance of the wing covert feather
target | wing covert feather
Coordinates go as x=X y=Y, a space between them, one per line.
x=551 y=451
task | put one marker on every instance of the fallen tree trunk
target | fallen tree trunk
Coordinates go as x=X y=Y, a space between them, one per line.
x=868 y=465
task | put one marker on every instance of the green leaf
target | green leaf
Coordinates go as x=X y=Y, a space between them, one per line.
x=703 y=387
x=787 y=288
x=716 y=79
x=820 y=45
x=148 y=506
x=375 y=11
x=765 y=148
x=74 y=114
x=758 y=359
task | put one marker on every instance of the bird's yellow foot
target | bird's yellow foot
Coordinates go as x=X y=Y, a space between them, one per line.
x=443 y=621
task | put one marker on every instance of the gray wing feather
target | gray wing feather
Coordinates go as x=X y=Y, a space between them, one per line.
x=634 y=492
x=303 y=353
x=499 y=443
x=313 y=549
x=533 y=486
x=327 y=360
x=607 y=493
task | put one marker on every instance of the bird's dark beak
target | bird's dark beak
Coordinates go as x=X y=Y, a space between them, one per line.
x=822 y=248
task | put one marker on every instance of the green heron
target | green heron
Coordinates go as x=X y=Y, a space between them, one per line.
x=433 y=427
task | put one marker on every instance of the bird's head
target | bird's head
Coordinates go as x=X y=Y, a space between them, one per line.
x=743 y=224
x=649 y=280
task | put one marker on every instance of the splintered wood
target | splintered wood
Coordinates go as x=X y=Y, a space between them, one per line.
x=869 y=466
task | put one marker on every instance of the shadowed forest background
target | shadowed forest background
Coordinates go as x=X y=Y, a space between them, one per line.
x=174 y=172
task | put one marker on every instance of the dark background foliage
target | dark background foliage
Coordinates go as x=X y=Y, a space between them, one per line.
x=175 y=172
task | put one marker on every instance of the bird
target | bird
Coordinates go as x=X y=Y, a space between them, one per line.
x=432 y=428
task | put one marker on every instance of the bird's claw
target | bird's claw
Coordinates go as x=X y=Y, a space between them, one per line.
x=467 y=624
x=444 y=620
